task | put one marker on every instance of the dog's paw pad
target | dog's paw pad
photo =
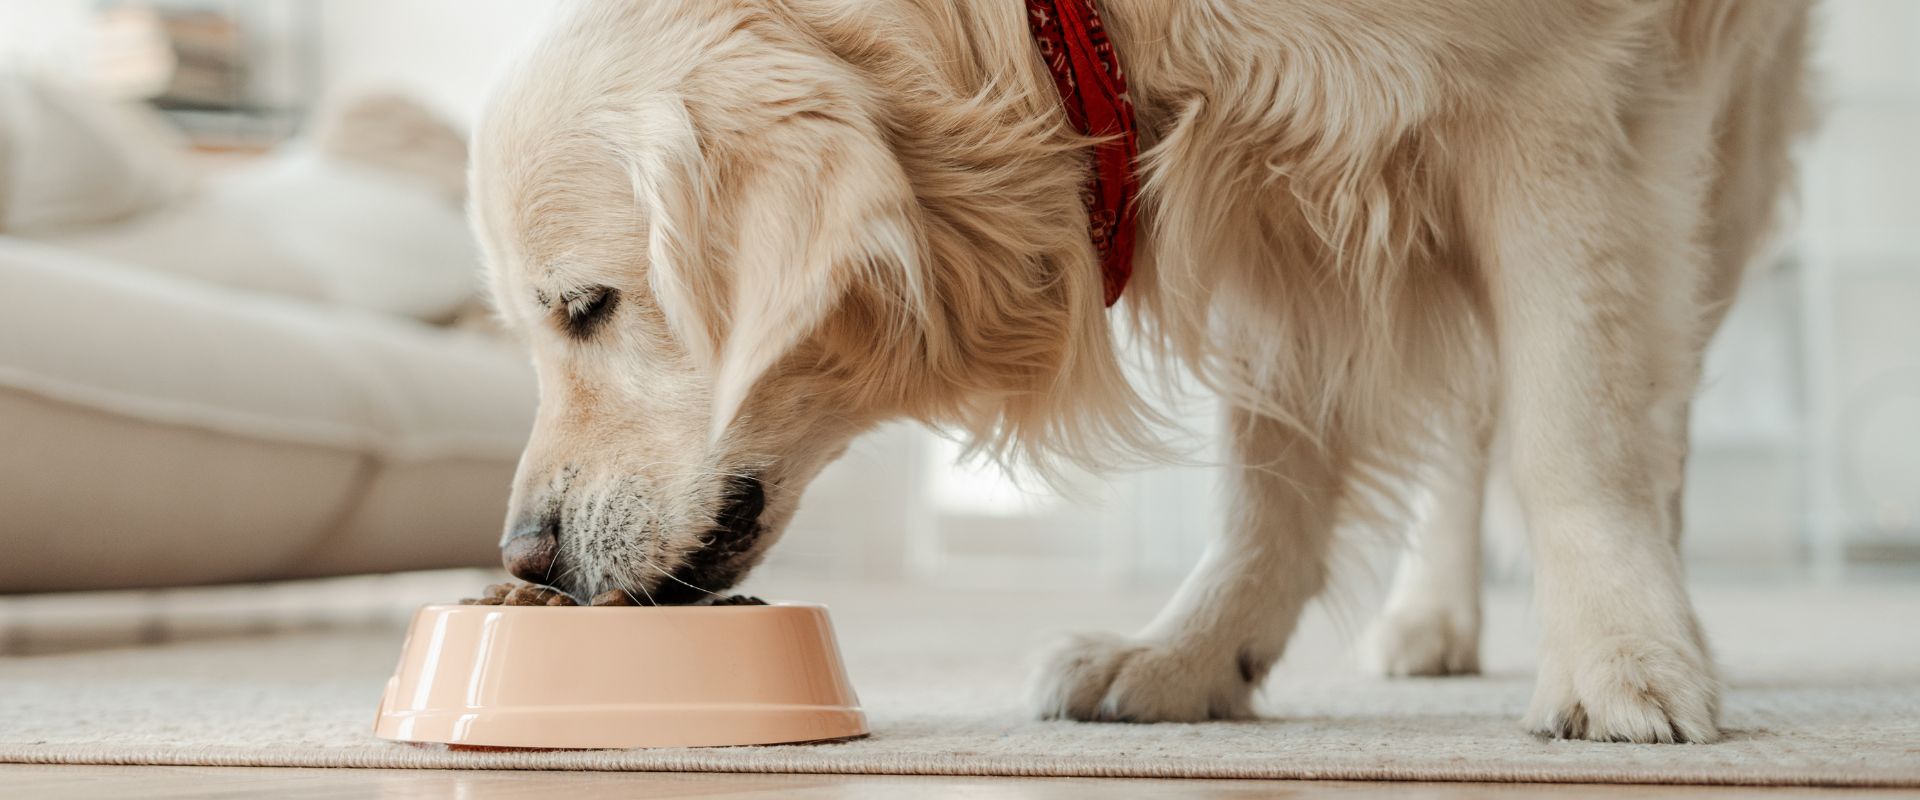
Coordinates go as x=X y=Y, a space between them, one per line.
x=1112 y=679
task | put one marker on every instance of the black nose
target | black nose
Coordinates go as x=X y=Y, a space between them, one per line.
x=531 y=546
x=746 y=498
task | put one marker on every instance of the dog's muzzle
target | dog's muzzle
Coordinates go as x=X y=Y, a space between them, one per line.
x=531 y=549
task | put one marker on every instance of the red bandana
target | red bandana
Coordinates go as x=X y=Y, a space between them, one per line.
x=1087 y=73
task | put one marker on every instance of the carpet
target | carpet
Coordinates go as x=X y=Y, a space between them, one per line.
x=1824 y=689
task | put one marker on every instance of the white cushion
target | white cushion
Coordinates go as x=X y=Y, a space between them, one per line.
x=305 y=224
x=155 y=431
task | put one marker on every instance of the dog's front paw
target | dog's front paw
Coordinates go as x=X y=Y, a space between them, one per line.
x=1627 y=689
x=1112 y=679
x=1406 y=642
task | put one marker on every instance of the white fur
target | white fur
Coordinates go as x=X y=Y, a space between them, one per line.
x=1381 y=230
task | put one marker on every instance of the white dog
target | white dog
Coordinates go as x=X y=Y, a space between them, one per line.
x=737 y=233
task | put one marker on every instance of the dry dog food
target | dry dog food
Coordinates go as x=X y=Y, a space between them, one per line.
x=737 y=600
x=529 y=594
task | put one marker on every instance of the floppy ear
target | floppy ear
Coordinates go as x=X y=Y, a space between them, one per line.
x=794 y=234
x=804 y=234
x=670 y=186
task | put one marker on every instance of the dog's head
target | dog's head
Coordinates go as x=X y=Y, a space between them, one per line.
x=701 y=220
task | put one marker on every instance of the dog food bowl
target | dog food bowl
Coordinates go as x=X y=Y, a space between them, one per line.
x=585 y=677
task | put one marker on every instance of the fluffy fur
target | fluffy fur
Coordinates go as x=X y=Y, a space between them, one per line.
x=1388 y=233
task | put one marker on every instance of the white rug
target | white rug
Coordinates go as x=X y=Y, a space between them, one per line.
x=1825 y=690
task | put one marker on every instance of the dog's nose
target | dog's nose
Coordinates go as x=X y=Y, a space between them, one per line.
x=532 y=545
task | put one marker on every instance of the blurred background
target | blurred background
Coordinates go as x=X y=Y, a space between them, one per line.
x=241 y=337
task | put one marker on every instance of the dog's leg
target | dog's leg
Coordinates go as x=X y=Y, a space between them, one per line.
x=1211 y=647
x=1431 y=622
x=1590 y=278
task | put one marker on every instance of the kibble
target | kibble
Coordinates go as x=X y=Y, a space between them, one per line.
x=519 y=594
x=738 y=600
x=612 y=597
x=531 y=594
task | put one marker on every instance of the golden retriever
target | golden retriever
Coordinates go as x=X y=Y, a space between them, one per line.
x=1397 y=237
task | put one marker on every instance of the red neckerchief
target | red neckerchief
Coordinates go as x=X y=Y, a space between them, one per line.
x=1094 y=91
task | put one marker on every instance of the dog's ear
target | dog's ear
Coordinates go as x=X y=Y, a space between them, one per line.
x=671 y=188
x=802 y=240
x=747 y=266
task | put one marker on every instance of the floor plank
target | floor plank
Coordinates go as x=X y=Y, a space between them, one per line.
x=82 y=782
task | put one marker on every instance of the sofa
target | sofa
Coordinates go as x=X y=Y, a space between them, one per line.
x=238 y=374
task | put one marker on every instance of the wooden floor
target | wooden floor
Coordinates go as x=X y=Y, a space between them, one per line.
x=24 y=781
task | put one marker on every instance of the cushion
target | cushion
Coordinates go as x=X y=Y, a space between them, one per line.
x=307 y=224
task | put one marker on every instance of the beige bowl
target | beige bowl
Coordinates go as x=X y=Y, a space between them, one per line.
x=571 y=677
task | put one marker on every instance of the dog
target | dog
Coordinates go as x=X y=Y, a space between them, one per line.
x=1399 y=239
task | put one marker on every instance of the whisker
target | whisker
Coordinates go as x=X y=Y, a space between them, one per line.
x=677 y=579
x=643 y=590
x=563 y=576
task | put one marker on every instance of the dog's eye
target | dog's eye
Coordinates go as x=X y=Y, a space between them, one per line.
x=584 y=310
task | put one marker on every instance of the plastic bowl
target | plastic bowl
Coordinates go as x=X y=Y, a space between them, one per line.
x=573 y=677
